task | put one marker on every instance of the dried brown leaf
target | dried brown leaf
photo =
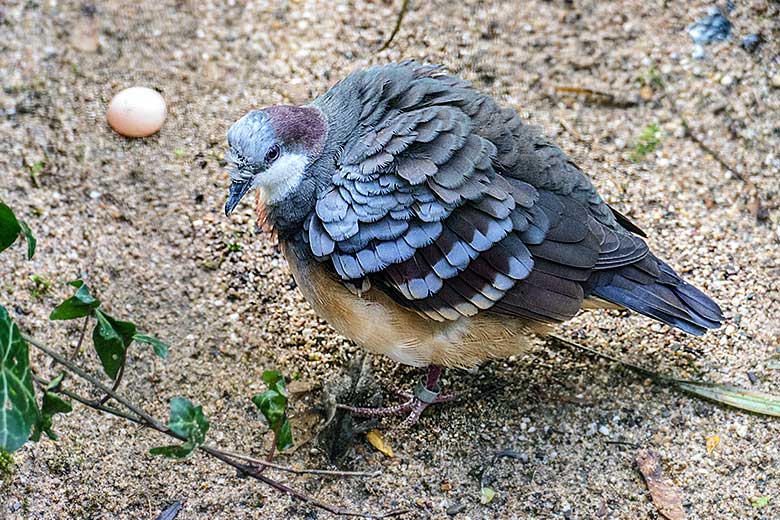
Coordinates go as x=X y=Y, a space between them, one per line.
x=377 y=441
x=712 y=442
x=665 y=495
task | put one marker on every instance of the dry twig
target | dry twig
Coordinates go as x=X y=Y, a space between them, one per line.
x=247 y=465
x=701 y=144
x=596 y=96
x=398 y=21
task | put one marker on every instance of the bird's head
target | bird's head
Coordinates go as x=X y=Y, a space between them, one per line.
x=270 y=150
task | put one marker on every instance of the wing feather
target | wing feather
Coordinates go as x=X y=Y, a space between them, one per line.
x=453 y=206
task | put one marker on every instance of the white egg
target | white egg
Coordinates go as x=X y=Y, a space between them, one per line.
x=136 y=112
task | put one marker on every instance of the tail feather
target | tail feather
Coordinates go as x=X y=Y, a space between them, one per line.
x=695 y=298
x=665 y=297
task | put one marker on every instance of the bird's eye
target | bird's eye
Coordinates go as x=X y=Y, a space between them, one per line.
x=272 y=154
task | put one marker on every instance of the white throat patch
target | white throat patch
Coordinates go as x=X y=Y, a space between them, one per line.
x=282 y=177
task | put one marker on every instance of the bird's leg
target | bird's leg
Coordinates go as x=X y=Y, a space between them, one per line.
x=426 y=394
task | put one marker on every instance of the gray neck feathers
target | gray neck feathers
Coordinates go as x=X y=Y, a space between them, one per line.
x=341 y=110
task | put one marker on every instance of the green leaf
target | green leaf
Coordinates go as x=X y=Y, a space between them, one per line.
x=56 y=382
x=77 y=306
x=9 y=227
x=760 y=502
x=28 y=236
x=272 y=405
x=173 y=451
x=758 y=402
x=284 y=437
x=111 y=338
x=6 y=465
x=160 y=348
x=487 y=494
x=275 y=381
x=186 y=420
x=647 y=143
x=18 y=409
x=52 y=405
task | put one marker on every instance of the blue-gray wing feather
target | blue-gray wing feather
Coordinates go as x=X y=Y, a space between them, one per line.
x=454 y=206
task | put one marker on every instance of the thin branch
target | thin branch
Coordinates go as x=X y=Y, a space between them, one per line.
x=79 y=343
x=706 y=149
x=89 y=402
x=259 y=462
x=270 y=457
x=597 y=96
x=255 y=473
x=636 y=368
x=97 y=384
x=398 y=21
x=115 y=386
x=145 y=419
x=296 y=471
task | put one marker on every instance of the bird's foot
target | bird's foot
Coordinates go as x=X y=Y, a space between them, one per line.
x=414 y=405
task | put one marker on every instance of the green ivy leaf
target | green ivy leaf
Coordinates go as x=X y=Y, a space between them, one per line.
x=284 y=438
x=160 y=348
x=77 y=306
x=18 y=409
x=111 y=338
x=275 y=381
x=186 y=420
x=28 y=236
x=487 y=494
x=9 y=227
x=273 y=405
x=52 y=405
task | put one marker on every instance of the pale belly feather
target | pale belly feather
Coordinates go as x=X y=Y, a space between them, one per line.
x=376 y=322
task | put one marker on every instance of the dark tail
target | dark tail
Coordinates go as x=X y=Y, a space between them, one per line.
x=652 y=288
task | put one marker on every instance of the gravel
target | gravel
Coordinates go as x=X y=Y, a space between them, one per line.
x=141 y=220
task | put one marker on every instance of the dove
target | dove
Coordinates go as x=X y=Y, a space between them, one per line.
x=429 y=224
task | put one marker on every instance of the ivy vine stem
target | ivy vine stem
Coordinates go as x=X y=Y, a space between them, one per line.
x=247 y=465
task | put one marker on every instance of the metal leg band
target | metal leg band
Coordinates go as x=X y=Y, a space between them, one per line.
x=425 y=394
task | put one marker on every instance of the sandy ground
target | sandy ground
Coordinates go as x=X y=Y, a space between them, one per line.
x=142 y=221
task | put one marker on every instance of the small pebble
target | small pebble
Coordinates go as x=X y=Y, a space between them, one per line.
x=454 y=509
x=751 y=42
x=136 y=112
x=776 y=81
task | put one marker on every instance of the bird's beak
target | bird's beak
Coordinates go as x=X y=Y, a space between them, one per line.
x=237 y=191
